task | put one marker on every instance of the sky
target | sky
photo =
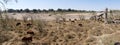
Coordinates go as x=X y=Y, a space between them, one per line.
x=65 y=4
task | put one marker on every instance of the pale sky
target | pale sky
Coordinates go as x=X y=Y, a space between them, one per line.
x=65 y=4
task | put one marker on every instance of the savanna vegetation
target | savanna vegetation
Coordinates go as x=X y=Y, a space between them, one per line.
x=40 y=32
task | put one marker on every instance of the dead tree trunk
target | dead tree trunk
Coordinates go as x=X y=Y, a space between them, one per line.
x=106 y=15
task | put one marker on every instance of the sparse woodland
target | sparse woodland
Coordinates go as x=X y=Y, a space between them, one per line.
x=40 y=32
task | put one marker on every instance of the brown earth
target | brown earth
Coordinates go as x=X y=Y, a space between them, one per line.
x=63 y=33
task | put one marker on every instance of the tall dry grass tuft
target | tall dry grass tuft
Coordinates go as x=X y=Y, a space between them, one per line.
x=4 y=22
x=4 y=19
x=40 y=25
x=81 y=17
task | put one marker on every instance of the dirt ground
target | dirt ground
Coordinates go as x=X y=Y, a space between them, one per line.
x=79 y=32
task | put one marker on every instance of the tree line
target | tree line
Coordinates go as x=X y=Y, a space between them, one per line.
x=44 y=10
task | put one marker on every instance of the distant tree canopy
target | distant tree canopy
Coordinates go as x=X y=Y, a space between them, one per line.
x=3 y=2
x=11 y=10
x=27 y=10
x=51 y=10
x=44 y=10
x=35 y=10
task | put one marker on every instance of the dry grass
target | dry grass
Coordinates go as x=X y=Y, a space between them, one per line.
x=64 y=33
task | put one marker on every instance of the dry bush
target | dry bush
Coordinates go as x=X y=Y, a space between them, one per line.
x=81 y=17
x=40 y=25
x=60 y=18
